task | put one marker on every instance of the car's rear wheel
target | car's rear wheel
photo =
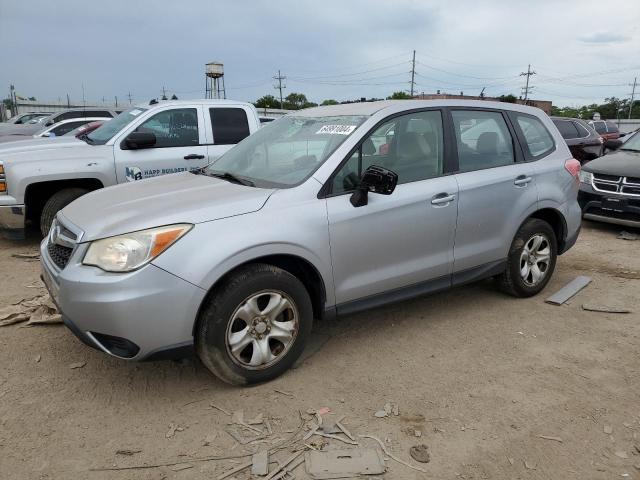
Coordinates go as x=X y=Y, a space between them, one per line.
x=255 y=325
x=532 y=259
x=57 y=202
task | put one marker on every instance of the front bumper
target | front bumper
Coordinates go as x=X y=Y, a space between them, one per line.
x=12 y=221
x=135 y=316
x=609 y=207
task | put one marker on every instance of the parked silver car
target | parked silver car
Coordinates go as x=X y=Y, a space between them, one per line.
x=324 y=212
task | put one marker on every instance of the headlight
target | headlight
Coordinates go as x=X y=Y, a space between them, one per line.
x=131 y=251
x=586 y=177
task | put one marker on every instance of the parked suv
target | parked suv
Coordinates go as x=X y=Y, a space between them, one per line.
x=584 y=142
x=607 y=130
x=306 y=219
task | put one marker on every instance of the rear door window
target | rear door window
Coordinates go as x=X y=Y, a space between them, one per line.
x=538 y=139
x=567 y=129
x=582 y=130
x=599 y=127
x=483 y=140
x=612 y=128
x=66 y=128
x=230 y=125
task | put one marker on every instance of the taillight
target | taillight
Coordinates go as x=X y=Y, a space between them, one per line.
x=573 y=167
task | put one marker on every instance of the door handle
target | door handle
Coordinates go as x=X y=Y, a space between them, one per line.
x=522 y=181
x=193 y=156
x=442 y=199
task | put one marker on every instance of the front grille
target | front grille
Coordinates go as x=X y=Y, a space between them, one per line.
x=615 y=184
x=59 y=254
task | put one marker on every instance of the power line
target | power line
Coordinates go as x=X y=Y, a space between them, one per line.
x=413 y=72
x=349 y=74
x=633 y=93
x=527 y=88
x=279 y=87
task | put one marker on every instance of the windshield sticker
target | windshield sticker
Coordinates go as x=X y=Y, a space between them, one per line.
x=336 y=130
x=135 y=112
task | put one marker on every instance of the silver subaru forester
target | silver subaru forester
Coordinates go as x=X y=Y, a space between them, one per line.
x=325 y=212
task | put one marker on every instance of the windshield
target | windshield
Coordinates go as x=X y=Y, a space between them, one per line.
x=108 y=129
x=633 y=143
x=285 y=152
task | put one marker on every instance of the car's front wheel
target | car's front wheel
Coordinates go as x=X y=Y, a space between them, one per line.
x=532 y=259
x=255 y=325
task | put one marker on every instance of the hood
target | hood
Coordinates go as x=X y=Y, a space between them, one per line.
x=18 y=138
x=29 y=145
x=178 y=198
x=621 y=163
x=20 y=129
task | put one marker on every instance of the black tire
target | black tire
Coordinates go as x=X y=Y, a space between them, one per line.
x=57 y=202
x=511 y=281
x=216 y=316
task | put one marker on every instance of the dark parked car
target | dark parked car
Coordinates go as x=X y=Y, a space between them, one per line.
x=583 y=141
x=610 y=186
x=607 y=130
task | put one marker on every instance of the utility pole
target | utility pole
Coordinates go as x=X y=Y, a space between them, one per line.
x=280 y=78
x=129 y=95
x=633 y=94
x=116 y=97
x=84 y=102
x=164 y=93
x=68 y=101
x=526 y=88
x=413 y=72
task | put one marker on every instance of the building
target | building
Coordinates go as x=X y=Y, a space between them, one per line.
x=544 y=105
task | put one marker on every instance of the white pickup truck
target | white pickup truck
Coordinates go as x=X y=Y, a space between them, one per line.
x=39 y=177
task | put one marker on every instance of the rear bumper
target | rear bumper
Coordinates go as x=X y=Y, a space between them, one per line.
x=12 y=221
x=620 y=210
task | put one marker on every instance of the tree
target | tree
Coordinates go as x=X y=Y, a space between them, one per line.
x=33 y=99
x=173 y=97
x=329 y=102
x=399 y=96
x=268 y=101
x=508 y=98
x=295 y=101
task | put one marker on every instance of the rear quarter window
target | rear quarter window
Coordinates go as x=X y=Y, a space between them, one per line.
x=538 y=140
x=567 y=129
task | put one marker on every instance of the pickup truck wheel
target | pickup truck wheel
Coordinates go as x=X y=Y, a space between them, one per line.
x=57 y=202
x=532 y=259
x=255 y=325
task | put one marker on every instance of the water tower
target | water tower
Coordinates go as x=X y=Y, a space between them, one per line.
x=214 y=78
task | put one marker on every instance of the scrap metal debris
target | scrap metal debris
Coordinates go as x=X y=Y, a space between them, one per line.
x=36 y=310
x=628 y=236
x=569 y=290
x=33 y=256
x=76 y=365
x=392 y=456
x=390 y=408
x=547 y=437
x=260 y=463
x=173 y=428
x=591 y=307
x=127 y=452
x=345 y=463
x=420 y=453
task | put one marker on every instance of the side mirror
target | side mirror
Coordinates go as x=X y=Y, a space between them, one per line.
x=49 y=123
x=622 y=134
x=138 y=140
x=612 y=144
x=377 y=180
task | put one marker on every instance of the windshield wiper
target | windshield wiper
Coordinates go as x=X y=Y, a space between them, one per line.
x=630 y=149
x=230 y=177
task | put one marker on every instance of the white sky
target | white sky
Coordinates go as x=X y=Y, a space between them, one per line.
x=582 y=51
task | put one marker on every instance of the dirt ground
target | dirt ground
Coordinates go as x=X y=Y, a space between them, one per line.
x=481 y=375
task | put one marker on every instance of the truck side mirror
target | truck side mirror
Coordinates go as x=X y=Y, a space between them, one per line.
x=138 y=140
x=612 y=144
x=377 y=180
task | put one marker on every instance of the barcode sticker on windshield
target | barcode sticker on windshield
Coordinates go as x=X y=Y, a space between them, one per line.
x=135 y=112
x=336 y=129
